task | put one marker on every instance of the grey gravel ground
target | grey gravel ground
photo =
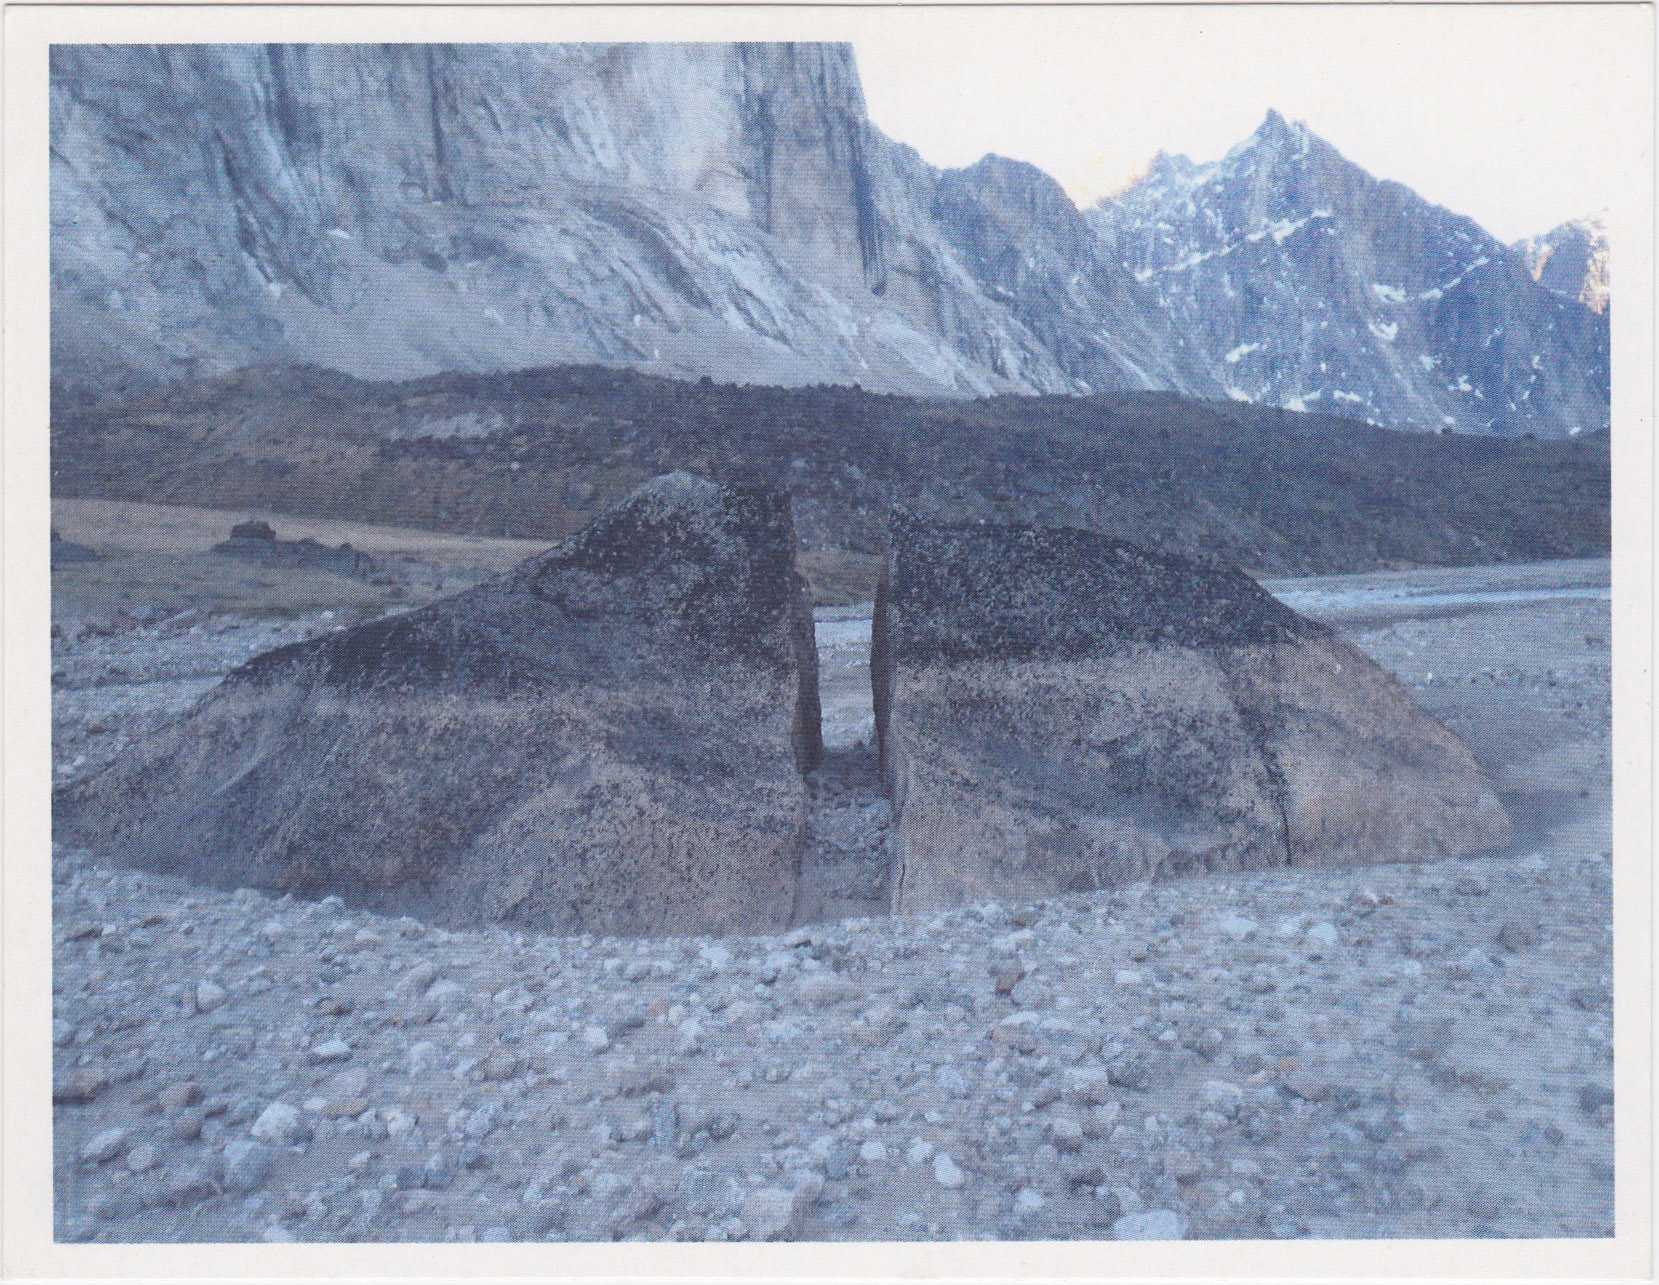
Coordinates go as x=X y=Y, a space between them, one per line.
x=1409 y=1050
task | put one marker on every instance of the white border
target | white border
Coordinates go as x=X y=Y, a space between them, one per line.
x=26 y=1248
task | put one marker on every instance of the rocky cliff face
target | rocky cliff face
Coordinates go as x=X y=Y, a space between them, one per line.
x=1285 y=274
x=396 y=211
x=1573 y=260
x=400 y=210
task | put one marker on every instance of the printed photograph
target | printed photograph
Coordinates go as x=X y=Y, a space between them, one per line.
x=867 y=641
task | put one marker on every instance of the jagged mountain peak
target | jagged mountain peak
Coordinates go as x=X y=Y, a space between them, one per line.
x=1286 y=273
x=1573 y=259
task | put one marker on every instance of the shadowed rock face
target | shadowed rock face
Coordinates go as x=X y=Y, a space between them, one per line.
x=607 y=739
x=1059 y=711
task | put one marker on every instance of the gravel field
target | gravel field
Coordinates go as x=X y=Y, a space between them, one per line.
x=1406 y=1050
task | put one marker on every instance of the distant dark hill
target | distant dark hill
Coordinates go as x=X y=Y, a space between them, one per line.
x=538 y=453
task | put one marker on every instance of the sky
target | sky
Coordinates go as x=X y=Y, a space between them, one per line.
x=1491 y=111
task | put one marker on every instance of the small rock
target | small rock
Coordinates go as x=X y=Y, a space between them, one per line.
x=873 y=1152
x=345 y=1095
x=596 y=1039
x=771 y=1214
x=83 y=1086
x=332 y=1050
x=141 y=1158
x=1066 y=1134
x=277 y=1124
x=1152 y=1224
x=247 y=1165
x=104 y=1146
x=1591 y=1097
x=182 y=1093
x=187 y=1186
x=1006 y=975
x=1515 y=936
x=1087 y=1085
x=946 y=1172
x=1323 y=935
x=439 y=1172
x=1303 y=1084
x=423 y=1056
x=209 y=995
x=1220 y=1095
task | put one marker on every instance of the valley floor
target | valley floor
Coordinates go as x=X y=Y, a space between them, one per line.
x=1392 y=1051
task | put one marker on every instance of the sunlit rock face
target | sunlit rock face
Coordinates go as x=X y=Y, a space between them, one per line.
x=1573 y=260
x=608 y=739
x=1060 y=711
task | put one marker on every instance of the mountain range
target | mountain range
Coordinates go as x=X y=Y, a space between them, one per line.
x=394 y=211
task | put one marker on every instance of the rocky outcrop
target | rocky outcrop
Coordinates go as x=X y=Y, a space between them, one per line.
x=396 y=211
x=1573 y=260
x=1060 y=711
x=65 y=551
x=608 y=739
x=256 y=541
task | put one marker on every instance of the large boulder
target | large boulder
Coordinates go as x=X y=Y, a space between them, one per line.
x=609 y=739
x=1059 y=711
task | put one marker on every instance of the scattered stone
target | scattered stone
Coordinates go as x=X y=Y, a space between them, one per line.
x=247 y=1165
x=277 y=1124
x=81 y=1087
x=209 y=995
x=181 y=1093
x=1065 y=1133
x=1592 y=1097
x=946 y=1172
x=1516 y=936
x=1150 y=1224
x=104 y=1146
x=1323 y=935
x=331 y=1050
x=771 y=1214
